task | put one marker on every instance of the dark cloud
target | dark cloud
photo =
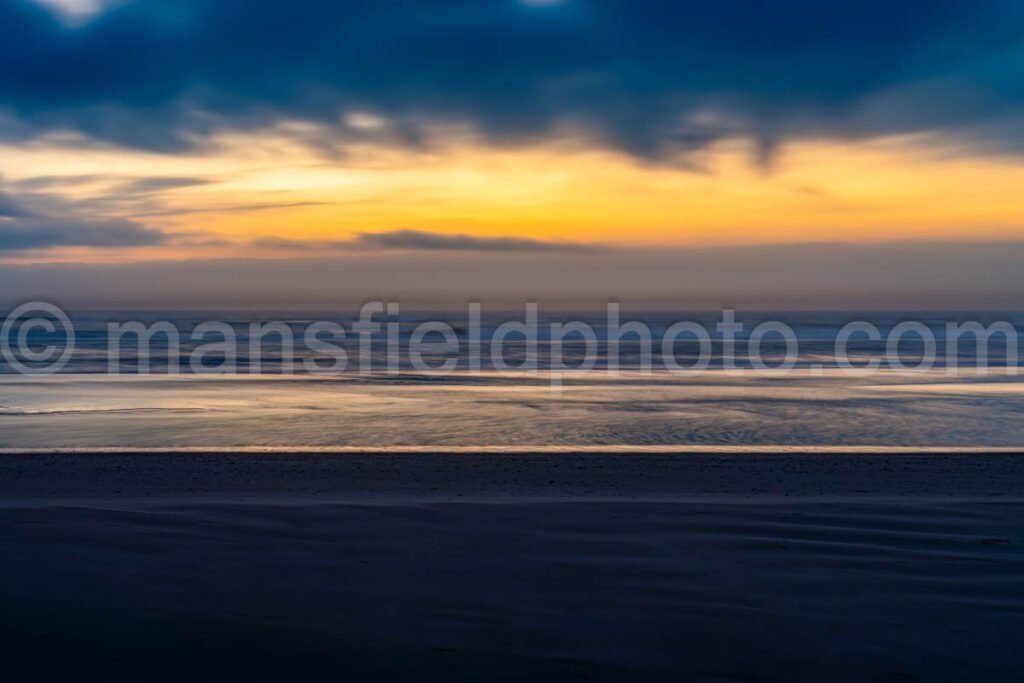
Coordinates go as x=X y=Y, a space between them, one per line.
x=116 y=195
x=10 y=208
x=121 y=184
x=418 y=240
x=432 y=241
x=41 y=221
x=657 y=79
x=20 y=234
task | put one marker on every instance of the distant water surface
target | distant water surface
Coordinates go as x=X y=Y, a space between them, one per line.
x=814 y=405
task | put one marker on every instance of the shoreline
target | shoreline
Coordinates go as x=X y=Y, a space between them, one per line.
x=639 y=450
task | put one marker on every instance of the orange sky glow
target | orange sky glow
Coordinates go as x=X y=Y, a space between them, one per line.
x=271 y=186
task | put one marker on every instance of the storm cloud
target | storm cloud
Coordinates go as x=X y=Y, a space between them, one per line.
x=655 y=79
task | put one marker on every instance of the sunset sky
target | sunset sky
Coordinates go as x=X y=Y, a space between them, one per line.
x=437 y=132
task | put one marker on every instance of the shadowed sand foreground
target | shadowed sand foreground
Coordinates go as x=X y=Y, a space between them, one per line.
x=513 y=567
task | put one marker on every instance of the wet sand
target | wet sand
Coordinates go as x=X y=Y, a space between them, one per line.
x=706 y=567
x=708 y=410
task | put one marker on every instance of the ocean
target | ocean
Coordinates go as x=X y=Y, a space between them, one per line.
x=400 y=388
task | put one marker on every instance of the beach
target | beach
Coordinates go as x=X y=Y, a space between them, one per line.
x=511 y=340
x=521 y=411
x=698 y=566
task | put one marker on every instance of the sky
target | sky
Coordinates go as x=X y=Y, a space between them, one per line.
x=687 y=153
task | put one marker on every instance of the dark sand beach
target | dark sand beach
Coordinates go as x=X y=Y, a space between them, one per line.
x=704 y=567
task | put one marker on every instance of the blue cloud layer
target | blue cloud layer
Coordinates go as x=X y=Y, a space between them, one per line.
x=654 y=78
x=30 y=229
